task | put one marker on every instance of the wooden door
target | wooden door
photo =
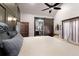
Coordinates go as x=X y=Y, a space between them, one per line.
x=48 y=25
x=24 y=29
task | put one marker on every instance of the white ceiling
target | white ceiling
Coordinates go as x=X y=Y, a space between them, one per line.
x=35 y=8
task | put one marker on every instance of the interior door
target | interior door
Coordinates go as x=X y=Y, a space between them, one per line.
x=24 y=29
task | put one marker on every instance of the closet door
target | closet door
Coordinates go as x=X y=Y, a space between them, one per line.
x=71 y=30
x=66 y=30
x=74 y=31
x=77 y=24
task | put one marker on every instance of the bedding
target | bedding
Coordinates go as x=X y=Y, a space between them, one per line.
x=12 y=46
x=47 y=46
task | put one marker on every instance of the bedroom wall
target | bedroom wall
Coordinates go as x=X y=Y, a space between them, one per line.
x=68 y=10
x=30 y=18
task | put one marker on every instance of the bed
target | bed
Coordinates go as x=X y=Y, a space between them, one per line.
x=39 y=46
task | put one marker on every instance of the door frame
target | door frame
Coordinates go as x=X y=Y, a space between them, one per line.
x=35 y=18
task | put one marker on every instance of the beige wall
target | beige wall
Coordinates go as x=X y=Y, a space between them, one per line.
x=69 y=10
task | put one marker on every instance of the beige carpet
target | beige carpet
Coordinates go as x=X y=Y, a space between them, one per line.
x=47 y=46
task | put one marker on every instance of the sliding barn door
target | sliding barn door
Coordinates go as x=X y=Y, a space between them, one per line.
x=48 y=27
x=71 y=30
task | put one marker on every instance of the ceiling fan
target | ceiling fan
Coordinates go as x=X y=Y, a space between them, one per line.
x=54 y=6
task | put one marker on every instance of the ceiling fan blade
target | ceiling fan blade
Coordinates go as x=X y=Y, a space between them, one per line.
x=57 y=8
x=55 y=4
x=45 y=9
x=47 y=5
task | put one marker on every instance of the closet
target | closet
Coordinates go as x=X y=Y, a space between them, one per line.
x=70 y=30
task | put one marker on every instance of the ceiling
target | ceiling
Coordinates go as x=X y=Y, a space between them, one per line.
x=35 y=8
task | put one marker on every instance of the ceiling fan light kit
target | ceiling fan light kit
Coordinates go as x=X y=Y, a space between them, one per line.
x=50 y=11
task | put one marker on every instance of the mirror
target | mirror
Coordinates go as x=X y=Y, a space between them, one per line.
x=2 y=14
